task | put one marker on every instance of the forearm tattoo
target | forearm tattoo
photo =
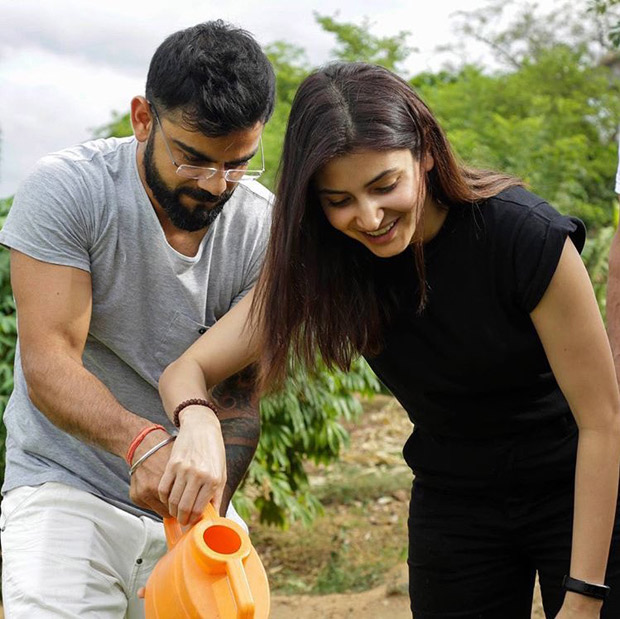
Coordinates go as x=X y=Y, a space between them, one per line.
x=239 y=417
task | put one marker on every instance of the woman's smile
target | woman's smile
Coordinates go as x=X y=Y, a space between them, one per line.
x=383 y=235
x=376 y=198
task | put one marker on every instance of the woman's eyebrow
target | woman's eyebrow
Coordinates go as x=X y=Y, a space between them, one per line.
x=370 y=182
x=380 y=176
x=327 y=190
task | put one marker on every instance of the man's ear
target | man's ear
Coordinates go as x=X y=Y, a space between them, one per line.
x=141 y=118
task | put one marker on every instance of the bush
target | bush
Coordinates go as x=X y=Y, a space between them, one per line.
x=8 y=332
x=302 y=423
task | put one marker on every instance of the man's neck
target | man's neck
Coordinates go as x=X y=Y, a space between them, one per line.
x=186 y=243
x=183 y=241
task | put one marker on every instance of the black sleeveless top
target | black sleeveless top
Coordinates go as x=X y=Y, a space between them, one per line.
x=470 y=369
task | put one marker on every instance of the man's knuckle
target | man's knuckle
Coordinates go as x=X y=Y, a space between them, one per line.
x=207 y=479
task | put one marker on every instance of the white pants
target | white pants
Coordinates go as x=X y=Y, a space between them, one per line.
x=67 y=553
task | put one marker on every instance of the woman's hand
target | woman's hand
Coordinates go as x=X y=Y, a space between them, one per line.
x=577 y=606
x=196 y=471
x=577 y=614
x=574 y=614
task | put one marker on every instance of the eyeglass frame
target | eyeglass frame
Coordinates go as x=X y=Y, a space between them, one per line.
x=254 y=174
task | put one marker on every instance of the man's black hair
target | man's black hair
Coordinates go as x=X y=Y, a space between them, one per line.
x=216 y=75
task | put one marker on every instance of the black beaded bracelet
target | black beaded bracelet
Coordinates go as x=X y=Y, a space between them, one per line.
x=191 y=402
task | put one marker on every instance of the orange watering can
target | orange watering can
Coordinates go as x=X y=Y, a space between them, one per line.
x=210 y=571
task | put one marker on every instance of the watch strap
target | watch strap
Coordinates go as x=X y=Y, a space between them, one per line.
x=600 y=592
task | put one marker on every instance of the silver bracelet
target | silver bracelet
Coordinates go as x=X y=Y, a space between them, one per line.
x=150 y=452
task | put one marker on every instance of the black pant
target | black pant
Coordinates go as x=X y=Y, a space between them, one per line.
x=475 y=555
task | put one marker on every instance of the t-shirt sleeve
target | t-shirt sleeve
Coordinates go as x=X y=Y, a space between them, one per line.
x=537 y=250
x=47 y=220
x=254 y=263
x=251 y=277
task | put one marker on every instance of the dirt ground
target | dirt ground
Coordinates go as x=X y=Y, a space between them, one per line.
x=374 y=604
x=381 y=601
x=377 y=603
x=295 y=557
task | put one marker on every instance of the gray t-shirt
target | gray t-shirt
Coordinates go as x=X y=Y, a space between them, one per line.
x=86 y=207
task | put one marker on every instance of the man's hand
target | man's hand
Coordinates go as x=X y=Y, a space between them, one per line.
x=196 y=471
x=143 y=490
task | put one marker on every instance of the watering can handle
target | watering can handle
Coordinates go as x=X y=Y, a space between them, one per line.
x=174 y=531
x=240 y=589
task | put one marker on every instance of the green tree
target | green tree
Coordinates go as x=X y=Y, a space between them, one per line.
x=514 y=31
x=596 y=258
x=291 y=66
x=607 y=14
x=356 y=43
x=549 y=116
x=119 y=126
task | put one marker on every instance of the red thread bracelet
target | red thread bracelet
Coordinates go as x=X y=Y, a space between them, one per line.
x=139 y=438
x=192 y=402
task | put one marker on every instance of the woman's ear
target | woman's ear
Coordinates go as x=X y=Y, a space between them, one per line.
x=428 y=163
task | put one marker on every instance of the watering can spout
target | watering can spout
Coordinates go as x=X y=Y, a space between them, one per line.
x=211 y=570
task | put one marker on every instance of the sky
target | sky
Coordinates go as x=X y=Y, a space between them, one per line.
x=66 y=65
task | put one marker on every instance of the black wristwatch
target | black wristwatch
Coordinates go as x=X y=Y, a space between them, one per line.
x=600 y=592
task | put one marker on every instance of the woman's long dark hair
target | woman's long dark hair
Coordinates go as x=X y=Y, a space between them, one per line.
x=316 y=293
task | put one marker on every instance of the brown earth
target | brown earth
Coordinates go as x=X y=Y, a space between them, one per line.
x=364 y=527
x=382 y=601
x=374 y=604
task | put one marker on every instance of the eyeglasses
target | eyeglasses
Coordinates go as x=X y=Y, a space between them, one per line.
x=195 y=172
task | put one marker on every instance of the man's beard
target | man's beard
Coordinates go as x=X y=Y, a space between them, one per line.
x=182 y=217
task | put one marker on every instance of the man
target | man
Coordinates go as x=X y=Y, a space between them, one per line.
x=122 y=253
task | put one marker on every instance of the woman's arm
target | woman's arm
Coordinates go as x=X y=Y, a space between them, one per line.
x=196 y=470
x=225 y=349
x=571 y=330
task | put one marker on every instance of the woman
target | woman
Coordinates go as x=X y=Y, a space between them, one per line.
x=467 y=295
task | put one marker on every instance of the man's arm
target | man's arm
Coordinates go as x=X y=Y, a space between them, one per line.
x=54 y=305
x=239 y=416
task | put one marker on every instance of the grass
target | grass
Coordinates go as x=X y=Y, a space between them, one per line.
x=354 y=486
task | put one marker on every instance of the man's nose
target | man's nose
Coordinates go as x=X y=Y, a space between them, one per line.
x=215 y=184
